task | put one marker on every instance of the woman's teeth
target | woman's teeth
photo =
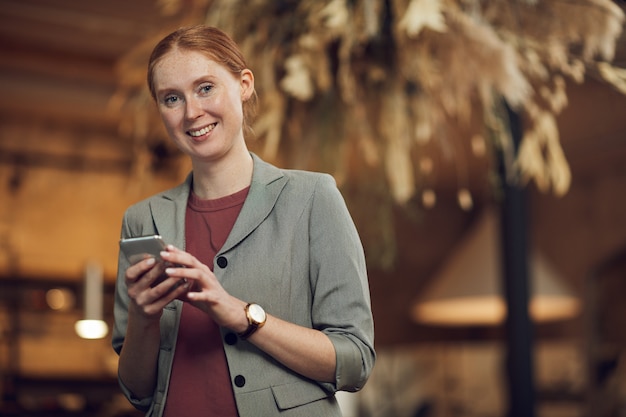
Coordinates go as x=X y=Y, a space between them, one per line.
x=203 y=131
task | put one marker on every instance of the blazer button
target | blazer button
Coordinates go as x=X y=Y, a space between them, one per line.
x=222 y=262
x=240 y=381
x=230 y=338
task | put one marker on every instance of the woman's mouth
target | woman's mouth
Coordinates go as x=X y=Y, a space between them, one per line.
x=202 y=132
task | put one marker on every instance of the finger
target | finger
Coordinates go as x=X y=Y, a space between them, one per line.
x=136 y=271
x=197 y=277
x=170 y=285
x=155 y=298
x=178 y=272
x=195 y=296
x=179 y=257
x=173 y=249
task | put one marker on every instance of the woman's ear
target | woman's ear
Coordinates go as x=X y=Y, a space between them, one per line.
x=247 y=84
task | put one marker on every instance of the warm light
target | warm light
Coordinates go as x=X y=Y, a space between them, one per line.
x=461 y=311
x=553 y=307
x=490 y=310
x=426 y=165
x=91 y=329
x=478 y=145
x=465 y=199
x=468 y=289
x=60 y=299
x=429 y=198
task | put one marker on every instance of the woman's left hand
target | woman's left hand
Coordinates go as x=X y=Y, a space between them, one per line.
x=206 y=292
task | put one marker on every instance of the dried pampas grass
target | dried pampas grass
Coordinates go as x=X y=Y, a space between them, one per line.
x=402 y=74
x=422 y=14
x=366 y=89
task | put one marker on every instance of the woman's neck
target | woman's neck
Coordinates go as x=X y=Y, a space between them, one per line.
x=226 y=177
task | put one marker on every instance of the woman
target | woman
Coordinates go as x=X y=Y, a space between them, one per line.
x=266 y=311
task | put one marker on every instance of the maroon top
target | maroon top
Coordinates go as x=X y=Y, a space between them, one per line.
x=200 y=383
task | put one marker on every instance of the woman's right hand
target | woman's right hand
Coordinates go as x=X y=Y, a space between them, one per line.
x=148 y=293
x=148 y=296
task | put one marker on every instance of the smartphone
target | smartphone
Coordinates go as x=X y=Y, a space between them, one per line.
x=139 y=248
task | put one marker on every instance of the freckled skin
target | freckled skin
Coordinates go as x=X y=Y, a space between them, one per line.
x=195 y=92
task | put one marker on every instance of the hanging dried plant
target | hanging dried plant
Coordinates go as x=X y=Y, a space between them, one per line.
x=420 y=65
x=444 y=57
x=370 y=83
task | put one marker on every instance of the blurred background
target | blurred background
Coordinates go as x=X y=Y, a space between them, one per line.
x=480 y=146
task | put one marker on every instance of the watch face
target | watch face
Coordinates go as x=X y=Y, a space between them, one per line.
x=257 y=313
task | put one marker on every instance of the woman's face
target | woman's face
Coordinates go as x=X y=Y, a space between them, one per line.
x=200 y=102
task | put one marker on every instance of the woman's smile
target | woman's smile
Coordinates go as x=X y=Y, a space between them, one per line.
x=202 y=132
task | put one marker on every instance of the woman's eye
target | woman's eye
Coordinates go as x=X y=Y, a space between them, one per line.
x=206 y=88
x=169 y=100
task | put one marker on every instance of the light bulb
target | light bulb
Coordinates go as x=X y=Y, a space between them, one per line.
x=91 y=329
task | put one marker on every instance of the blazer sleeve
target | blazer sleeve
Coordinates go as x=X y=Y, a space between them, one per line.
x=120 y=312
x=341 y=303
x=131 y=226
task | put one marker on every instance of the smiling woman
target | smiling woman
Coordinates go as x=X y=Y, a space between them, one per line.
x=272 y=255
x=219 y=49
x=200 y=102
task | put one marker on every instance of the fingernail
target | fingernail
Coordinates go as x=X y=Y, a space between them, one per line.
x=169 y=271
x=150 y=261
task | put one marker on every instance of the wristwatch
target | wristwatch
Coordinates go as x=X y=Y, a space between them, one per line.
x=256 y=319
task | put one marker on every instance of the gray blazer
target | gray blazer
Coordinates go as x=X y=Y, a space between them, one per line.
x=295 y=250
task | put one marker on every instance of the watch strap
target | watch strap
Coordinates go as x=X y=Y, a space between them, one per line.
x=252 y=327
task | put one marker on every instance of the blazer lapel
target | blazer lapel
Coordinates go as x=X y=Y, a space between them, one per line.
x=168 y=213
x=267 y=184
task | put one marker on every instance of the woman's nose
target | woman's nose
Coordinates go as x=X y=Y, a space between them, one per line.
x=193 y=108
